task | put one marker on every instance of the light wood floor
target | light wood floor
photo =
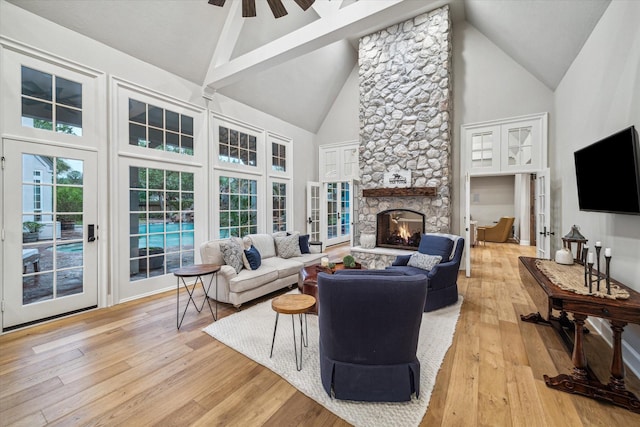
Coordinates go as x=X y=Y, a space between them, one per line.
x=128 y=365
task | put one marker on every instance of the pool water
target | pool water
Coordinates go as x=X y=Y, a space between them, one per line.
x=157 y=234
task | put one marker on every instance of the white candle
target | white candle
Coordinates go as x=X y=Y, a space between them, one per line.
x=607 y=251
x=324 y=261
x=598 y=244
x=590 y=258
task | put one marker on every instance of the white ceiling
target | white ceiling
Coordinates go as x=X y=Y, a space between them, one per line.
x=294 y=67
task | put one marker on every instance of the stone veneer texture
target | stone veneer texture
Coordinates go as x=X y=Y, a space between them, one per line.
x=405 y=116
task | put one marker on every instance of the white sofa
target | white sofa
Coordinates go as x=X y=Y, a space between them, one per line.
x=274 y=272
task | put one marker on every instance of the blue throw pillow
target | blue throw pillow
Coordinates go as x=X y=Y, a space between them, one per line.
x=304 y=244
x=254 y=257
x=436 y=245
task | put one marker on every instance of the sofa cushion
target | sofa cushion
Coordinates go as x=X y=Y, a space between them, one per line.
x=285 y=267
x=264 y=244
x=288 y=246
x=251 y=279
x=232 y=253
x=253 y=256
x=424 y=261
x=436 y=245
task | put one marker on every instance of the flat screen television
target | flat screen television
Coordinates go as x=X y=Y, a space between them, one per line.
x=608 y=174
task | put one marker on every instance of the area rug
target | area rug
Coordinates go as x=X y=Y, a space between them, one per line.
x=250 y=332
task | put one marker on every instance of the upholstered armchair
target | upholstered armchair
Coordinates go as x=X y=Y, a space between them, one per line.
x=369 y=326
x=498 y=233
x=441 y=273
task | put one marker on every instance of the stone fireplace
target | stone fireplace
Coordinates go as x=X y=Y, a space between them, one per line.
x=405 y=127
x=399 y=228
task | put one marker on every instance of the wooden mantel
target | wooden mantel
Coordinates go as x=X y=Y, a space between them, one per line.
x=399 y=192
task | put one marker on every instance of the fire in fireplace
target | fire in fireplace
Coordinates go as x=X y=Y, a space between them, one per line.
x=399 y=228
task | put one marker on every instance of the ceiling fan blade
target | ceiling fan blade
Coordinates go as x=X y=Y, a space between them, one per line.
x=217 y=2
x=305 y=4
x=248 y=8
x=277 y=8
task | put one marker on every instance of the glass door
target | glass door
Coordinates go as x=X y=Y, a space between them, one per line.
x=338 y=212
x=50 y=249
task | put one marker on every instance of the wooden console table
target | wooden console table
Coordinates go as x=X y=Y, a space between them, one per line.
x=548 y=297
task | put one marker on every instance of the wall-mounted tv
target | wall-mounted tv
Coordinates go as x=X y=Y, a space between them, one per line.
x=608 y=174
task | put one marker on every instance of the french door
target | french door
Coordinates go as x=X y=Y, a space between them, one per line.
x=543 y=214
x=313 y=210
x=49 y=250
x=337 y=212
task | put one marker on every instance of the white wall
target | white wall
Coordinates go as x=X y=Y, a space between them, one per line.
x=488 y=85
x=342 y=123
x=600 y=95
x=492 y=197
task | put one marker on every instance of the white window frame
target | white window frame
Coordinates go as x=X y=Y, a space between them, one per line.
x=13 y=56
x=218 y=121
x=214 y=203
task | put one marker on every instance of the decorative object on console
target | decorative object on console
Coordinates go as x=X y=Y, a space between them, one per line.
x=564 y=256
x=567 y=277
x=574 y=236
x=588 y=272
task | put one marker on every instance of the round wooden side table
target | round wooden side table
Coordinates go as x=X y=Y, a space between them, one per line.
x=293 y=304
x=196 y=271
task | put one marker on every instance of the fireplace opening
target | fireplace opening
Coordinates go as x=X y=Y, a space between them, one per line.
x=399 y=228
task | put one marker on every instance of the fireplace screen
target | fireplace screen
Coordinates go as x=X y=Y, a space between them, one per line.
x=399 y=228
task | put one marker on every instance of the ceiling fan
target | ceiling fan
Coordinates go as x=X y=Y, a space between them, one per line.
x=249 y=6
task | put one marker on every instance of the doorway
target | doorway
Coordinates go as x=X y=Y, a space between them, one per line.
x=50 y=251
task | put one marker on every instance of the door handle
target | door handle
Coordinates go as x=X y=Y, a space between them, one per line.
x=309 y=220
x=91 y=233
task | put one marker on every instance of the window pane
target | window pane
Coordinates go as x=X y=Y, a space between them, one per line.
x=137 y=111
x=137 y=135
x=38 y=111
x=172 y=142
x=187 y=125
x=172 y=120
x=68 y=121
x=68 y=93
x=156 y=139
x=37 y=84
x=156 y=116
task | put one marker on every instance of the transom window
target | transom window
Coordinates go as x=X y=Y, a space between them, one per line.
x=278 y=157
x=237 y=147
x=161 y=219
x=238 y=209
x=50 y=102
x=159 y=128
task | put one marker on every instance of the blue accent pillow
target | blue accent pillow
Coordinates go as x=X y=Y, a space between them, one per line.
x=254 y=257
x=304 y=244
x=436 y=245
x=401 y=260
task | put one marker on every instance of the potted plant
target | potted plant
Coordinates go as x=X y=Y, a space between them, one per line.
x=350 y=262
x=30 y=230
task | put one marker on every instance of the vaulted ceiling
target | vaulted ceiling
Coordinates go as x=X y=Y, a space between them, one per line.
x=294 y=67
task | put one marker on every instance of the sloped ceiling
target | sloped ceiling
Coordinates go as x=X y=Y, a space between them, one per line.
x=294 y=67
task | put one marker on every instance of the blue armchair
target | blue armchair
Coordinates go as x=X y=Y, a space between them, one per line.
x=369 y=326
x=443 y=277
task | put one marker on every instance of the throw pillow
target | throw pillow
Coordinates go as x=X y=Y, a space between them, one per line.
x=254 y=258
x=304 y=244
x=423 y=261
x=436 y=245
x=232 y=254
x=288 y=246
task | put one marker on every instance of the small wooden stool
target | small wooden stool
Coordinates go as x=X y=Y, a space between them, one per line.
x=293 y=304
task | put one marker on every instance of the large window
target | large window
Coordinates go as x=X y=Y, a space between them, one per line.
x=159 y=128
x=161 y=218
x=238 y=206
x=50 y=102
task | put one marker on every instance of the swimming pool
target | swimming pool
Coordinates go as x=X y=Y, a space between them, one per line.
x=156 y=235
